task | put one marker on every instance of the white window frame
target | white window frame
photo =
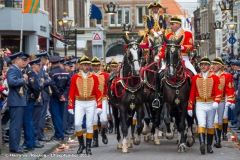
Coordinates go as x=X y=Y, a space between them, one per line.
x=123 y=17
x=144 y=12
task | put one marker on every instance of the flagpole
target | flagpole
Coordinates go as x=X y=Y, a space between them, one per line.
x=21 y=34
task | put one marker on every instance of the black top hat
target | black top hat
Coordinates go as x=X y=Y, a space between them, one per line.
x=55 y=59
x=205 y=59
x=218 y=60
x=35 y=61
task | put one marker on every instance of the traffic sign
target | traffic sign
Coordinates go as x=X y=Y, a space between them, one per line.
x=232 y=40
x=97 y=38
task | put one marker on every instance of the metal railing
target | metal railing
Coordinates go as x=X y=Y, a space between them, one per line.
x=11 y=3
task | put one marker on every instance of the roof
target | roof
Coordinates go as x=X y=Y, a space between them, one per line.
x=172 y=7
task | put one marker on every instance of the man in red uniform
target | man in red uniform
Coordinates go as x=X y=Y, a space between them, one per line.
x=186 y=47
x=226 y=82
x=102 y=78
x=84 y=95
x=205 y=89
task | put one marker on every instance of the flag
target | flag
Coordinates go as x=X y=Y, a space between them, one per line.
x=187 y=19
x=31 y=6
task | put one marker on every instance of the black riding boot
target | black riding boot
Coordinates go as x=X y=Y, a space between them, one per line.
x=88 y=146
x=104 y=136
x=110 y=128
x=209 y=143
x=224 y=131
x=132 y=130
x=217 y=133
x=158 y=90
x=202 y=142
x=95 y=138
x=81 y=145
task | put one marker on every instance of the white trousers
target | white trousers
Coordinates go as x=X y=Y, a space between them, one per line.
x=219 y=113
x=205 y=114
x=103 y=115
x=225 y=114
x=188 y=65
x=82 y=108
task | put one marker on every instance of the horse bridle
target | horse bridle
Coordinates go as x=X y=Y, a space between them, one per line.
x=172 y=49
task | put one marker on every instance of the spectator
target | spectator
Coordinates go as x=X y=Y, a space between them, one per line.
x=226 y=55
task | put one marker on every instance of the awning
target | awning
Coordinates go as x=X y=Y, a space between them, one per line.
x=95 y=12
x=115 y=50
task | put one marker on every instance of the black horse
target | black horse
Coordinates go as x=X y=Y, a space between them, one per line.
x=148 y=71
x=125 y=92
x=175 y=90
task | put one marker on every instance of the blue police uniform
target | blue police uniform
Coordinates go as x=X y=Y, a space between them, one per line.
x=60 y=87
x=16 y=103
x=42 y=109
x=33 y=93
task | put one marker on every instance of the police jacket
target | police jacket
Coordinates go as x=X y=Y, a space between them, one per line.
x=47 y=81
x=60 y=82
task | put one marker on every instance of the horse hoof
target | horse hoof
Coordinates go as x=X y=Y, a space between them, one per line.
x=146 y=138
x=136 y=141
x=124 y=150
x=169 y=136
x=157 y=142
x=129 y=145
x=189 y=143
x=119 y=146
x=145 y=132
x=160 y=134
x=152 y=138
x=182 y=148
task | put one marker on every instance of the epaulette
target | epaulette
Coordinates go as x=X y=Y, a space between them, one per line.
x=29 y=72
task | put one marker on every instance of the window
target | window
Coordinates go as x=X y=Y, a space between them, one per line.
x=140 y=12
x=122 y=16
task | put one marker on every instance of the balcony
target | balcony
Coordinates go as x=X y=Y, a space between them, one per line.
x=11 y=3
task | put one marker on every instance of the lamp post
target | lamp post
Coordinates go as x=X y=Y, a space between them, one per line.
x=127 y=28
x=204 y=38
x=231 y=26
x=65 y=25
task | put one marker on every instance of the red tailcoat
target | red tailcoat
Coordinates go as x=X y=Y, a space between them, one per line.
x=204 y=90
x=227 y=87
x=102 y=78
x=84 y=89
x=187 y=43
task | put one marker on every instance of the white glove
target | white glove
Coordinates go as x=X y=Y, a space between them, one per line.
x=159 y=33
x=155 y=34
x=156 y=58
x=228 y=104
x=190 y=113
x=182 y=48
x=215 y=105
x=99 y=111
x=232 y=106
x=71 y=111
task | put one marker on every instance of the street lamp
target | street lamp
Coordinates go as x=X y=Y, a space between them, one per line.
x=227 y=5
x=127 y=28
x=65 y=25
x=204 y=39
x=217 y=25
x=231 y=27
x=111 y=7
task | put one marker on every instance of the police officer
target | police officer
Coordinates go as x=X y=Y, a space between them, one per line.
x=60 y=88
x=17 y=100
x=33 y=95
x=45 y=79
x=68 y=117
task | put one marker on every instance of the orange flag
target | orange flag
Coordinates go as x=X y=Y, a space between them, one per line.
x=31 y=6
